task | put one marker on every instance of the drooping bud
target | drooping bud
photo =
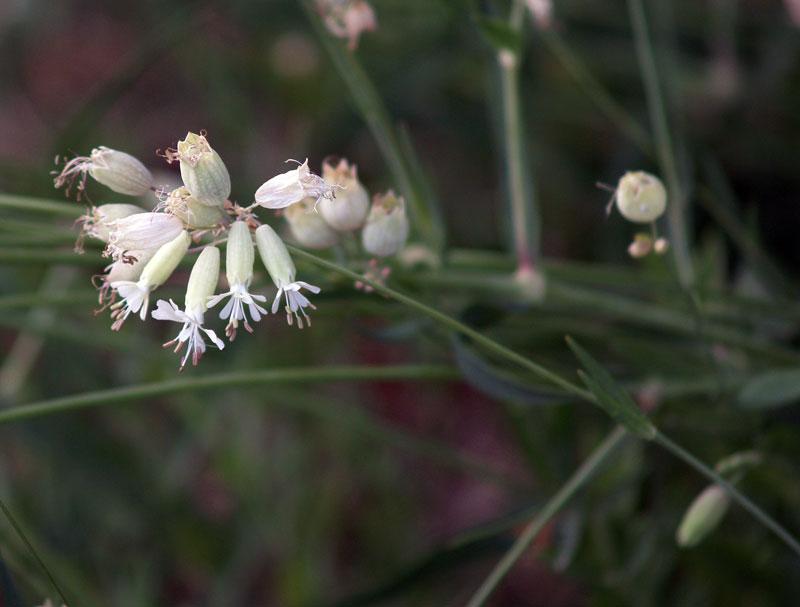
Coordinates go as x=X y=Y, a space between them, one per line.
x=308 y=227
x=192 y=212
x=141 y=231
x=165 y=260
x=661 y=246
x=349 y=209
x=276 y=258
x=203 y=279
x=641 y=197
x=292 y=186
x=202 y=170
x=641 y=246
x=386 y=230
x=702 y=516
x=97 y=221
x=239 y=255
x=117 y=170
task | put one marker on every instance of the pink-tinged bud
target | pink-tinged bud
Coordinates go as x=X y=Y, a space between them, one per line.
x=642 y=245
x=386 y=230
x=348 y=19
x=308 y=227
x=661 y=246
x=348 y=210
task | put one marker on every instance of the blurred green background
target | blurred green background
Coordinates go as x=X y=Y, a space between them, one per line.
x=398 y=492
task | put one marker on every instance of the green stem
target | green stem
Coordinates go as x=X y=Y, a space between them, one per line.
x=666 y=153
x=764 y=518
x=451 y=322
x=424 y=212
x=225 y=380
x=578 y=479
x=32 y=550
x=41 y=205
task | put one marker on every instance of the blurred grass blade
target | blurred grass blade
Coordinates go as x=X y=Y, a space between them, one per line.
x=611 y=396
x=32 y=550
x=41 y=205
x=501 y=35
x=771 y=389
x=426 y=214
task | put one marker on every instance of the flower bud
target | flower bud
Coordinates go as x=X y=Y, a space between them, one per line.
x=661 y=246
x=141 y=231
x=386 y=230
x=166 y=259
x=348 y=210
x=276 y=258
x=202 y=170
x=96 y=223
x=641 y=246
x=188 y=209
x=703 y=516
x=120 y=171
x=308 y=227
x=203 y=279
x=641 y=197
x=239 y=255
x=291 y=187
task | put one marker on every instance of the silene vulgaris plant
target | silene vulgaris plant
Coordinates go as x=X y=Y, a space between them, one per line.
x=146 y=246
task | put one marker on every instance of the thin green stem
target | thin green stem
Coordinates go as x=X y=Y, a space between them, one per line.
x=425 y=213
x=579 y=478
x=451 y=322
x=32 y=550
x=676 y=213
x=764 y=518
x=525 y=223
x=225 y=380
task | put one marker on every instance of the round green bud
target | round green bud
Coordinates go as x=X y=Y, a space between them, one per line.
x=188 y=209
x=202 y=170
x=308 y=227
x=641 y=197
x=348 y=209
x=386 y=230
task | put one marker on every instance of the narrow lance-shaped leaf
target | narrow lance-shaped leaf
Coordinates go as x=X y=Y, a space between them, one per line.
x=611 y=396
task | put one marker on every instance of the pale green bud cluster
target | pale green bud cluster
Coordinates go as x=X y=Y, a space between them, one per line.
x=387 y=227
x=203 y=279
x=202 y=170
x=120 y=171
x=165 y=260
x=275 y=256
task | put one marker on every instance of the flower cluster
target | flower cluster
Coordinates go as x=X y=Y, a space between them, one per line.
x=147 y=246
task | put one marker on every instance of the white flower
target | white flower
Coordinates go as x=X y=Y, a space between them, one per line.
x=291 y=187
x=135 y=299
x=234 y=309
x=295 y=301
x=141 y=231
x=191 y=332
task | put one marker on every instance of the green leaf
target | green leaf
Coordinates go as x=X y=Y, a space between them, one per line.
x=771 y=389
x=500 y=34
x=611 y=396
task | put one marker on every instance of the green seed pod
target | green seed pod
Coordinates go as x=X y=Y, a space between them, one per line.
x=702 y=516
x=119 y=171
x=641 y=197
x=239 y=255
x=348 y=210
x=166 y=259
x=202 y=170
x=276 y=258
x=308 y=226
x=189 y=210
x=203 y=279
x=386 y=230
